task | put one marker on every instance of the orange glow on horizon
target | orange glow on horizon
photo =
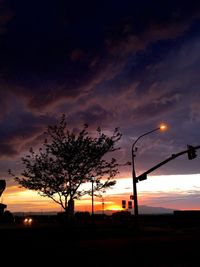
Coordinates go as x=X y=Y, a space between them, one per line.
x=114 y=207
x=172 y=191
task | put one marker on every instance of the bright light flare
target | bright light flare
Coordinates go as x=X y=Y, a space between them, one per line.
x=163 y=127
x=28 y=221
x=114 y=207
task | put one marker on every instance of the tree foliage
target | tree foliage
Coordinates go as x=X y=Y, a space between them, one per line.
x=67 y=160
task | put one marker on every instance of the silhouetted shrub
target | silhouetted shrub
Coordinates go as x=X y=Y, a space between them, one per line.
x=82 y=216
x=121 y=215
x=8 y=217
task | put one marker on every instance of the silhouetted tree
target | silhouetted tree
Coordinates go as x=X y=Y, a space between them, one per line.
x=68 y=160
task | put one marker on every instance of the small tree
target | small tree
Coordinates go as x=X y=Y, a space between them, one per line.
x=67 y=161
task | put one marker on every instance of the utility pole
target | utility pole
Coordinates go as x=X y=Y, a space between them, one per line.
x=103 y=206
x=92 y=181
x=133 y=150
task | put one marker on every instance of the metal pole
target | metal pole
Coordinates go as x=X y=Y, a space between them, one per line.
x=135 y=198
x=102 y=205
x=92 y=197
x=173 y=156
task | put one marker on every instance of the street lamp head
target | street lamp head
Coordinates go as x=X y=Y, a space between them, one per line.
x=163 y=127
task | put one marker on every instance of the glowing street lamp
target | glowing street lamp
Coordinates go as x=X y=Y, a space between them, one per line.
x=162 y=127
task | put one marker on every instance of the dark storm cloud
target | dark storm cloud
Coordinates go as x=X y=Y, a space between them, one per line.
x=17 y=131
x=114 y=63
x=158 y=107
x=5 y=15
x=5 y=103
x=95 y=115
x=56 y=50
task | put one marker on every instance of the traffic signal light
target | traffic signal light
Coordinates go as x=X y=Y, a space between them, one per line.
x=191 y=152
x=142 y=177
x=123 y=204
x=130 y=205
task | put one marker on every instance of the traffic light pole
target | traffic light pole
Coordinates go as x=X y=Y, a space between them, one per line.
x=143 y=176
x=135 y=199
x=133 y=150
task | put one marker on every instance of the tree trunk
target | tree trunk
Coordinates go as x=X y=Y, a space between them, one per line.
x=70 y=210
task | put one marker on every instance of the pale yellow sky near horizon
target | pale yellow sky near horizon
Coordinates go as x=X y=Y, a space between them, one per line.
x=172 y=191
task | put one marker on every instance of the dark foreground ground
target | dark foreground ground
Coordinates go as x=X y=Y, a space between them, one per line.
x=160 y=243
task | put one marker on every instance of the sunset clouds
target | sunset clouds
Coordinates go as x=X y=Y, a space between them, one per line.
x=127 y=64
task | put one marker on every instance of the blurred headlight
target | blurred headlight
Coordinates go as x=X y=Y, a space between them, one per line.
x=28 y=221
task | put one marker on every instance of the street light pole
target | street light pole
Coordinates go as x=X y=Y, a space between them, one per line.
x=133 y=150
x=103 y=206
x=92 y=181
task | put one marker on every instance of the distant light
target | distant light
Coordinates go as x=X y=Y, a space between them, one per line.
x=163 y=127
x=28 y=221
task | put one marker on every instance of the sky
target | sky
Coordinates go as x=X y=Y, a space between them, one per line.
x=127 y=64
